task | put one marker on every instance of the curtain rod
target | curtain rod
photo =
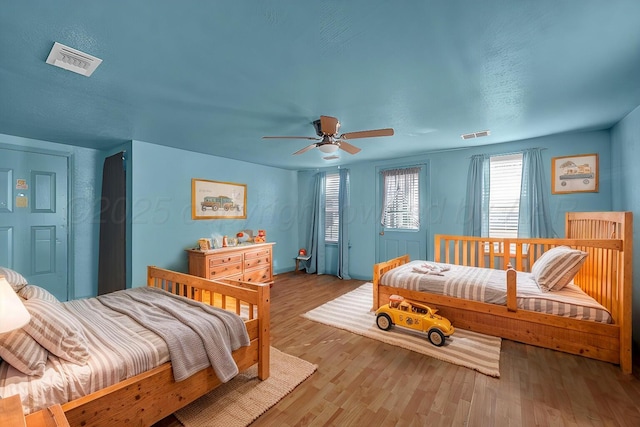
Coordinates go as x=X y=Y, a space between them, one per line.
x=509 y=152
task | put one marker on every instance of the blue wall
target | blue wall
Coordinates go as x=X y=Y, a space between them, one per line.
x=447 y=180
x=626 y=196
x=159 y=181
x=159 y=192
x=161 y=222
x=84 y=194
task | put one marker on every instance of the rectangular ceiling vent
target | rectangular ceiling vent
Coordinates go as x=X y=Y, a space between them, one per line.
x=73 y=60
x=475 y=134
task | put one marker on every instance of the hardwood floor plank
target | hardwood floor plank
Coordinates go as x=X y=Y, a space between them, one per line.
x=363 y=382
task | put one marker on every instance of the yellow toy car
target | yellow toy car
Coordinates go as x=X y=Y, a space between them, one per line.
x=414 y=315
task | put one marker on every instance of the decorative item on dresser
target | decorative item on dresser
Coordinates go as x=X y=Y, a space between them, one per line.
x=249 y=263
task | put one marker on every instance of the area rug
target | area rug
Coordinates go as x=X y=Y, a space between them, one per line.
x=243 y=399
x=351 y=312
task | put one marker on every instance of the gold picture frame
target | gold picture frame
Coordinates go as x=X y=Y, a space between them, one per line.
x=574 y=174
x=218 y=200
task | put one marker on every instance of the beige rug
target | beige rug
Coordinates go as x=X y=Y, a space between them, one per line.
x=243 y=399
x=351 y=312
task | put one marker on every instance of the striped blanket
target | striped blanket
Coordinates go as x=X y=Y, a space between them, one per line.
x=489 y=285
x=197 y=335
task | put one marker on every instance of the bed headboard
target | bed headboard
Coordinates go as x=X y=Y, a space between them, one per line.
x=615 y=265
x=599 y=225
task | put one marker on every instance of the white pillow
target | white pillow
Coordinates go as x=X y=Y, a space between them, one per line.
x=557 y=267
x=21 y=351
x=15 y=279
x=55 y=329
x=33 y=291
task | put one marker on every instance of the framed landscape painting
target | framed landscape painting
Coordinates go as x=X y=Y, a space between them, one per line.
x=218 y=200
x=574 y=174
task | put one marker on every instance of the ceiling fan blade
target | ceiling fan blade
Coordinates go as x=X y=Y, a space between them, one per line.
x=305 y=149
x=367 y=134
x=351 y=149
x=329 y=125
x=292 y=137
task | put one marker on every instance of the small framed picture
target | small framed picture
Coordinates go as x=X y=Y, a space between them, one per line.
x=574 y=174
x=204 y=244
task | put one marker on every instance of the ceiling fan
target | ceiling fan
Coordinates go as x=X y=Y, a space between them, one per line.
x=329 y=141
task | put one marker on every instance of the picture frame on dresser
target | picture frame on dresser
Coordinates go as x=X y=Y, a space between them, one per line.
x=218 y=199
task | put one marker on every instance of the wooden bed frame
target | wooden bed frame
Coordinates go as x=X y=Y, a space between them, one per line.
x=149 y=397
x=606 y=276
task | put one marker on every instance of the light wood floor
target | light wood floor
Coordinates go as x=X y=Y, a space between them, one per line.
x=362 y=382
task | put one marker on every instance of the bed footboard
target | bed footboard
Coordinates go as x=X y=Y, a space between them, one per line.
x=233 y=295
x=381 y=268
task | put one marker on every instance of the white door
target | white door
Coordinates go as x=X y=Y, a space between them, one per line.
x=33 y=218
x=404 y=194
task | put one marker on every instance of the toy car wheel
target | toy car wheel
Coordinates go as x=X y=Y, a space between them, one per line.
x=384 y=322
x=214 y=207
x=436 y=337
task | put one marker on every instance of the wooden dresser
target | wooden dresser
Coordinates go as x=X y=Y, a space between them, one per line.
x=251 y=263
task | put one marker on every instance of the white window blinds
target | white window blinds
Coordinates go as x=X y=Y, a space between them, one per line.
x=401 y=199
x=504 y=196
x=332 y=218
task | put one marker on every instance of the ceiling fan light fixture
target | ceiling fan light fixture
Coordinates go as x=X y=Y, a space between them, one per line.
x=329 y=142
x=328 y=148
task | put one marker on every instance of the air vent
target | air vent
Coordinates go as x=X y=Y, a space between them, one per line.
x=475 y=134
x=73 y=60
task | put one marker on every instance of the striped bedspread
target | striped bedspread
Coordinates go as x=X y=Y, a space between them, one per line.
x=489 y=286
x=119 y=346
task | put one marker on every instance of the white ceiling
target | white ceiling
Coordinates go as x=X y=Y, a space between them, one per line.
x=216 y=76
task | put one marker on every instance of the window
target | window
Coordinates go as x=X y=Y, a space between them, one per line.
x=504 y=195
x=401 y=203
x=332 y=211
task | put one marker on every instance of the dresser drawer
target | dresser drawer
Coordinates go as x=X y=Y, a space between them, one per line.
x=257 y=262
x=258 y=253
x=261 y=275
x=228 y=259
x=223 y=270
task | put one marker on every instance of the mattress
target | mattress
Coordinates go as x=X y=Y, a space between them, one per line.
x=119 y=348
x=489 y=286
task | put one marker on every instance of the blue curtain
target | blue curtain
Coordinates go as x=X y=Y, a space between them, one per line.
x=316 y=263
x=476 y=220
x=534 y=218
x=343 y=227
